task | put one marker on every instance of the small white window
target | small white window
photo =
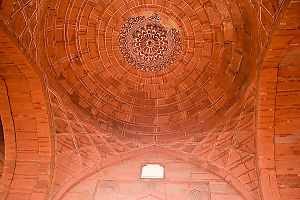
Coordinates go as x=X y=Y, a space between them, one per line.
x=153 y=171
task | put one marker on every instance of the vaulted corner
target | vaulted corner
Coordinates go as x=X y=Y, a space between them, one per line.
x=92 y=91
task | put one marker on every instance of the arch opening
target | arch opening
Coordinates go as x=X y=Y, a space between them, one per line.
x=152 y=171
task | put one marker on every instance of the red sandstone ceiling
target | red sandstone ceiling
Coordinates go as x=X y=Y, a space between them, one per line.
x=209 y=91
x=196 y=86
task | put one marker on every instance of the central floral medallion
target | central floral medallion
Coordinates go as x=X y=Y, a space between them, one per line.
x=147 y=45
x=150 y=43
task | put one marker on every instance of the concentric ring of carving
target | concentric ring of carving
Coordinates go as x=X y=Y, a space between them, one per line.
x=147 y=45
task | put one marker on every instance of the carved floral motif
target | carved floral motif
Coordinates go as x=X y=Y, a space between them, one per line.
x=147 y=45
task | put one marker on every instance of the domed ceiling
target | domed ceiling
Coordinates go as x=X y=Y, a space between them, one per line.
x=152 y=69
x=174 y=75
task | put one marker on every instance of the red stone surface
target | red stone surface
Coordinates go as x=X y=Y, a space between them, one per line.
x=182 y=180
x=28 y=152
x=71 y=103
x=154 y=106
x=2 y=148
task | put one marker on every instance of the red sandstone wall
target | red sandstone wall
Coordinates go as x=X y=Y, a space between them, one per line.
x=278 y=109
x=27 y=173
x=182 y=181
x=287 y=113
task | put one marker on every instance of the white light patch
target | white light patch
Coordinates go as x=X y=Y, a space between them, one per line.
x=152 y=171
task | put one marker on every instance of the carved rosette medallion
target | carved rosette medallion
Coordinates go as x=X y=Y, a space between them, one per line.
x=147 y=45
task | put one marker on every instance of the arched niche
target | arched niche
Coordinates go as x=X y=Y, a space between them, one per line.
x=184 y=178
